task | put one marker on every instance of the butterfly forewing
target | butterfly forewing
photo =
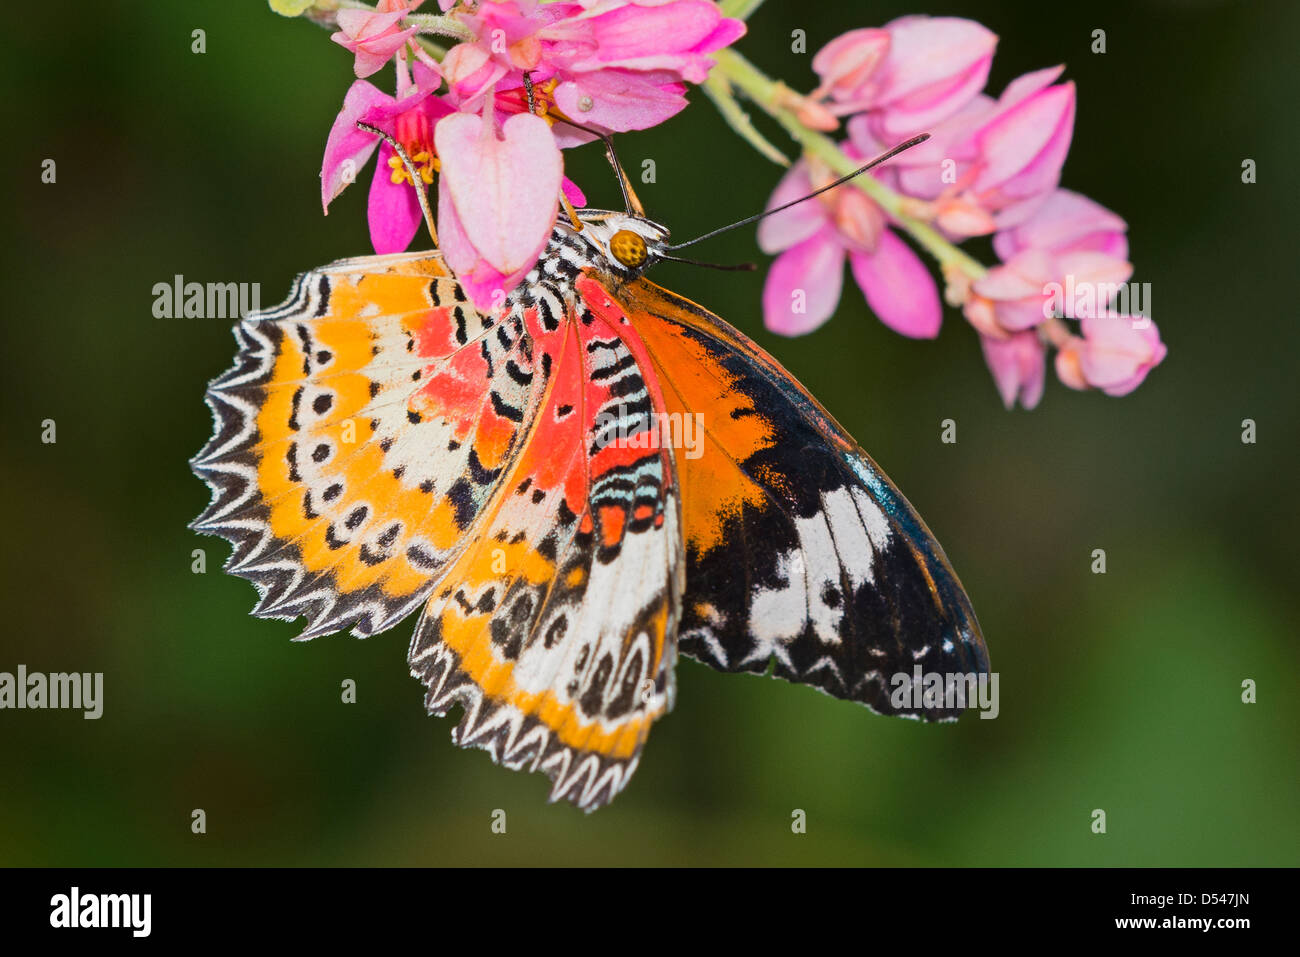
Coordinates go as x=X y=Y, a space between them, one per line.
x=358 y=436
x=802 y=556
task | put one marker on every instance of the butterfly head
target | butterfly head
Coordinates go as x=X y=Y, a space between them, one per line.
x=629 y=243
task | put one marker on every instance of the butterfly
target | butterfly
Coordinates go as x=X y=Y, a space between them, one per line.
x=382 y=448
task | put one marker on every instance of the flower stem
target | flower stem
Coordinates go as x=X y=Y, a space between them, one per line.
x=740 y=9
x=719 y=91
x=772 y=96
x=440 y=25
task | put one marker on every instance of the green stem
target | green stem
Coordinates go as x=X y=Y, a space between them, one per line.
x=717 y=89
x=740 y=9
x=770 y=96
x=440 y=25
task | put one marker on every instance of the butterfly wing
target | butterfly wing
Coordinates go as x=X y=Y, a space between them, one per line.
x=379 y=444
x=802 y=555
x=554 y=629
x=360 y=433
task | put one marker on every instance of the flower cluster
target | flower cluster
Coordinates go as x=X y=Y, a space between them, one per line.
x=486 y=122
x=489 y=93
x=990 y=167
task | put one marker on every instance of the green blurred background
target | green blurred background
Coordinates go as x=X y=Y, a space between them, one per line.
x=1119 y=691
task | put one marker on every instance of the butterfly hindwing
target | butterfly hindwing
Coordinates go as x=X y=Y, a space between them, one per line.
x=802 y=556
x=555 y=627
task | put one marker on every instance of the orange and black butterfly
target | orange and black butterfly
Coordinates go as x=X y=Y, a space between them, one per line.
x=382 y=447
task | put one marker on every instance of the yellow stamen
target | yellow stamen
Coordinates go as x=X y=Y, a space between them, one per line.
x=426 y=164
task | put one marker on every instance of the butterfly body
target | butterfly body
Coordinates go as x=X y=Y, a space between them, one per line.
x=381 y=446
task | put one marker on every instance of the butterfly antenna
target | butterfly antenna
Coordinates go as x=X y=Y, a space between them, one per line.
x=738 y=267
x=631 y=202
x=416 y=182
x=889 y=154
x=569 y=211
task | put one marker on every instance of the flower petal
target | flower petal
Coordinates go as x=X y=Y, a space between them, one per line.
x=961 y=217
x=1118 y=352
x=372 y=36
x=898 y=287
x=484 y=286
x=1019 y=365
x=804 y=285
x=1026 y=85
x=573 y=194
x=935 y=67
x=1017 y=315
x=792 y=226
x=1011 y=213
x=348 y=148
x=1066 y=221
x=1022 y=276
x=1044 y=173
x=928 y=107
x=1067 y=365
x=621 y=100
x=926 y=50
x=366 y=24
x=858 y=218
x=847 y=62
x=1092 y=281
x=677 y=35
x=505 y=189
x=393 y=212
x=1035 y=129
x=463 y=61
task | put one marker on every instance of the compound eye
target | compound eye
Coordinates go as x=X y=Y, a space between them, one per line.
x=628 y=248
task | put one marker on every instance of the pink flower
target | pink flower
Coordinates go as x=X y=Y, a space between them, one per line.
x=374 y=35
x=991 y=165
x=1018 y=364
x=1036 y=284
x=813 y=239
x=393 y=210
x=1021 y=147
x=1115 y=353
x=848 y=62
x=908 y=77
x=612 y=65
x=1066 y=222
x=1066 y=260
